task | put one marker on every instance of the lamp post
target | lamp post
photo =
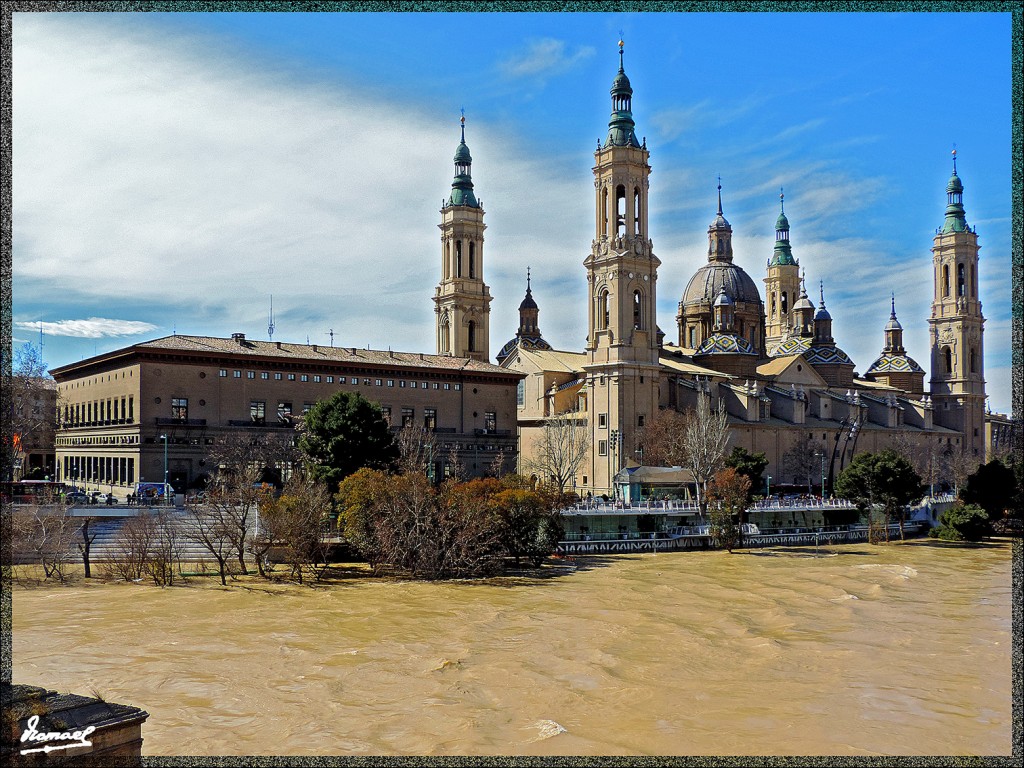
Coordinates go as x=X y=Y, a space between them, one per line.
x=614 y=435
x=768 y=486
x=821 y=455
x=164 y=438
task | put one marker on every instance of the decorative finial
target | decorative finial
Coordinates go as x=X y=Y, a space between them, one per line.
x=719 y=194
x=463 y=121
x=821 y=291
x=620 y=51
x=954 y=159
x=527 y=279
x=893 y=315
x=782 y=199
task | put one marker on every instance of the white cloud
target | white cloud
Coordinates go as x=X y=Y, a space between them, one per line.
x=90 y=328
x=545 y=57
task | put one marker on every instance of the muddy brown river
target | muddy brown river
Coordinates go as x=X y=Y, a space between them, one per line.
x=891 y=650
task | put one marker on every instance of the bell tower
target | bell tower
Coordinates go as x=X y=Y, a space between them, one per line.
x=462 y=299
x=782 y=285
x=622 y=273
x=956 y=326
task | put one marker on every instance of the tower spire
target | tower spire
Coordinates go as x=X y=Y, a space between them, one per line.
x=621 y=126
x=462 y=185
x=956 y=219
x=719 y=194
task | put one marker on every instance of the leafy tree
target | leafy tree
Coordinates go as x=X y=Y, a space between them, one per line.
x=885 y=480
x=992 y=487
x=750 y=465
x=343 y=434
x=294 y=521
x=963 y=522
x=662 y=439
x=727 y=496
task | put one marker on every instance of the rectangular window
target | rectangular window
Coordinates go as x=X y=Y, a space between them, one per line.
x=391 y=382
x=447 y=385
x=491 y=421
x=306 y=407
x=238 y=374
x=401 y=384
x=366 y=382
x=353 y=380
x=291 y=377
x=277 y=377
x=458 y=387
x=602 y=421
x=602 y=447
x=223 y=373
x=264 y=375
x=640 y=420
x=316 y=379
x=304 y=377
x=179 y=408
x=131 y=409
x=258 y=411
x=436 y=385
x=330 y=379
x=430 y=418
x=376 y=382
x=250 y=374
x=520 y=392
x=283 y=409
x=407 y=417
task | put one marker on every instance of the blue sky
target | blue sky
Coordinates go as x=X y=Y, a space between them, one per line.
x=172 y=171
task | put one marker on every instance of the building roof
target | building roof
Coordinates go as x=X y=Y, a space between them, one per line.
x=554 y=359
x=212 y=346
x=684 y=365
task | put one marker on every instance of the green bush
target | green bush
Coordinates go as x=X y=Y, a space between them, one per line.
x=963 y=522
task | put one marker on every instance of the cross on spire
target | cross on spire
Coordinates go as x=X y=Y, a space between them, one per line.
x=719 y=194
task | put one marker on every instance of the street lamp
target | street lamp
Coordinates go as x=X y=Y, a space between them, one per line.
x=164 y=438
x=821 y=454
x=768 y=487
x=615 y=468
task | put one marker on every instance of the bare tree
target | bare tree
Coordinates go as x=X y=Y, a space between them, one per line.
x=803 y=460
x=44 y=533
x=704 y=439
x=132 y=547
x=166 y=547
x=663 y=439
x=214 y=531
x=417 y=447
x=295 y=521
x=560 y=451
x=86 y=544
x=31 y=393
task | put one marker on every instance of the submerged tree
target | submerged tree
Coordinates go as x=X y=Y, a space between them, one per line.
x=727 y=502
x=749 y=465
x=885 y=480
x=560 y=450
x=704 y=439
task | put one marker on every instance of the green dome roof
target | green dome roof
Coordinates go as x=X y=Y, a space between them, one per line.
x=955 y=185
x=462 y=154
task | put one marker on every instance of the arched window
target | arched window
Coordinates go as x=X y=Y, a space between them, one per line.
x=638 y=318
x=947 y=356
x=636 y=210
x=604 y=211
x=620 y=211
x=472 y=336
x=774 y=307
x=945 y=279
x=973 y=363
x=974 y=282
x=445 y=334
x=693 y=337
x=447 y=260
x=472 y=259
x=458 y=258
x=785 y=303
x=960 y=288
x=602 y=309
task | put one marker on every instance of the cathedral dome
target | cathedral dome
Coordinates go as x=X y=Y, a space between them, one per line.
x=713 y=276
x=724 y=344
x=891 y=363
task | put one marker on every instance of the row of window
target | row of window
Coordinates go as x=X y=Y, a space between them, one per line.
x=112 y=410
x=99 y=440
x=97 y=469
x=317 y=378
x=602 y=420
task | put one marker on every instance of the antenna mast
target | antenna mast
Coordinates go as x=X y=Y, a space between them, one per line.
x=270 y=324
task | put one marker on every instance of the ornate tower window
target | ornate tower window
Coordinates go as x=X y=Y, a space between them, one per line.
x=472 y=336
x=472 y=259
x=960 y=287
x=945 y=280
x=602 y=309
x=947 y=357
x=458 y=258
x=620 y=211
x=638 y=321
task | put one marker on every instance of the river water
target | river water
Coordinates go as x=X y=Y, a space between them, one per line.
x=894 y=650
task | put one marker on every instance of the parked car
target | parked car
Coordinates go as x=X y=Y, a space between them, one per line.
x=76 y=497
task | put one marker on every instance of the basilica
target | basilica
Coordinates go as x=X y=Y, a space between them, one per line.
x=769 y=360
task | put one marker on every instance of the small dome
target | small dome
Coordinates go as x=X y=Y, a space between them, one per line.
x=723 y=299
x=782 y=222
x=803 y=303
x=822 y=314
x=826 y=355
x=720 y=222
x=709 y=279
x=621 y=84
x=795 y=346
x=895 y=364
x=524 y=342
x=954 y=183
x=462 y=155
x=724 y=344
x=528 y=302
x=893 y=324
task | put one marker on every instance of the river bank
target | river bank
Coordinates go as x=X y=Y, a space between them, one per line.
x=898 y=649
